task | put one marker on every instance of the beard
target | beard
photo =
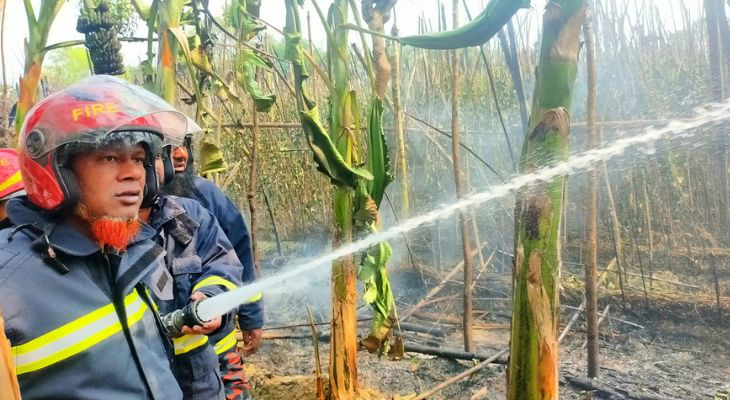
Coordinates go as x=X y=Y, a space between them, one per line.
x=110 y=233
x=182 y=184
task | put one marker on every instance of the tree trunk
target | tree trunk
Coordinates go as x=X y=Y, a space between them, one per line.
x=460 y=190
x=616 y=232
x=376 y=13
x=343 y=348
x=253 y=8
x=713 y=13
x=591 y=204
x=343 y=345
x=399 y=130
x=533 y=368
x=252 y=181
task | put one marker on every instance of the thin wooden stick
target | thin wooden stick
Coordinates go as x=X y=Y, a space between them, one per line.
x=440 y=286
x=459 y=377
x=603 y=315
x=614 y=318
x=317 y=365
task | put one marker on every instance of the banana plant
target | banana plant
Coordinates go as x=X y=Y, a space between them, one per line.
x=167 y=18
x=35 y=51
x=477 y=32
x=358 y=191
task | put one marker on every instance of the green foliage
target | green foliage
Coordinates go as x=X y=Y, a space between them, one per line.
x=329 y=160
x=235 y=15
x=475 y=33
x=246 y=63
x=211 y=159
x=378 y=158
x=66 y=65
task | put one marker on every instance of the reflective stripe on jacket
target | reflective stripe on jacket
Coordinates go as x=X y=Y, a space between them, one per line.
x=81 y=324
x=250 y=315
x=199 y=258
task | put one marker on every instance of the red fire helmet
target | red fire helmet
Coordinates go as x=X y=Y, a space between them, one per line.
x=96 y=112
x=11 y=183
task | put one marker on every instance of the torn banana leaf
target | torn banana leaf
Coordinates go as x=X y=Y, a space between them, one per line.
x=378 y=292
x=246 y=64
x=242 y=22
x=378 y=158
x=475 y=33
x=328 y=159
x=211 y=159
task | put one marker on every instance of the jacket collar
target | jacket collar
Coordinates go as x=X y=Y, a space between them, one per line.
x=62 y=235
x=166 y=208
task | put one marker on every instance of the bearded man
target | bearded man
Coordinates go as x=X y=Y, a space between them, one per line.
x=78 y=268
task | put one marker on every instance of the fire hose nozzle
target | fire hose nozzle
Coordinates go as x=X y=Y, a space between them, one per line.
x=186 y=316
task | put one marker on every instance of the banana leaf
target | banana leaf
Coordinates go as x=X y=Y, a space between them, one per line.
x=196 y=59
x=328 y=159
x=246 y=63
x=211 y=159
x=241 y=21
x=378 y=158
x=475 y=33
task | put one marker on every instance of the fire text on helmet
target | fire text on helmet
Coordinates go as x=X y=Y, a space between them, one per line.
x=92 y=110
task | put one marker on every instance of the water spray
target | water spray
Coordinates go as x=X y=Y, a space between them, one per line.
x=199 y=312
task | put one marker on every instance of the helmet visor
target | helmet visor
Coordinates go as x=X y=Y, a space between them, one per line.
x=91 y=111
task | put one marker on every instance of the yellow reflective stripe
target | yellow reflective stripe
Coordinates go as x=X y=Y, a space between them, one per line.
x=76 y=336
x=226 y=343
x=186 y=343
x=214 y=280
x=255 y=297
x=15 y=178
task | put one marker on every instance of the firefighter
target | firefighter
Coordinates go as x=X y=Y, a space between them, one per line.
x=251 y=315
x=202 y=263
x=11 y=184
x=78 y=268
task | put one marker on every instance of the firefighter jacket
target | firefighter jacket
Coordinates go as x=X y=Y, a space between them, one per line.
x=199 y=258
x=250 y=315
x=81 y=322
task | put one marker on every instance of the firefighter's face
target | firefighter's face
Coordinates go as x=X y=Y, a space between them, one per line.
x=111 y=181
x=180 y=158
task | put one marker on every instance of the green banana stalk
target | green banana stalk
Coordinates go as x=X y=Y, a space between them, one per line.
x=475 y=33
x=38 y=30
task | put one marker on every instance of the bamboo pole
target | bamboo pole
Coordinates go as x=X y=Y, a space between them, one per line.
x=592 y=204
x=251 y=194
x=616 y=230
x=468 y=319
x=398 y=126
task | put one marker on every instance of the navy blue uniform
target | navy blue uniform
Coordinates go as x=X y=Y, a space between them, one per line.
x=250 y=315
